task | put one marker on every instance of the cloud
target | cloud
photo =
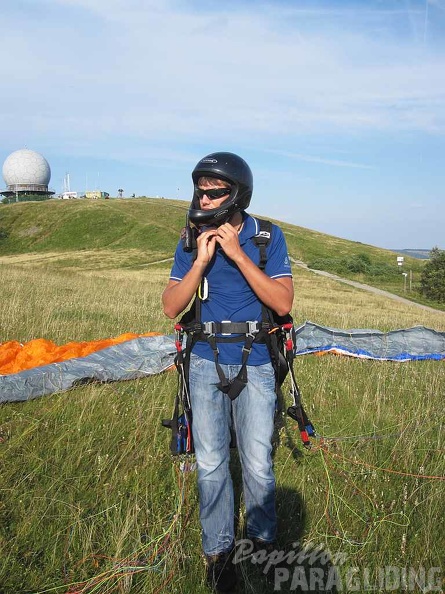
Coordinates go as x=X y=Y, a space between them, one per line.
x=322 y=160
x=165 y=70
x=437 y=3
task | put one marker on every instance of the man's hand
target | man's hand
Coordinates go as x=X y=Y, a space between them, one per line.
x=227 y=237
x=206 y=244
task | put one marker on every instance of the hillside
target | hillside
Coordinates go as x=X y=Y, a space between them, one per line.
x=110 y=234
x=148 y=228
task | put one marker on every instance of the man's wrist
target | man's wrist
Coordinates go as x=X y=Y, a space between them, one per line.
x=200 y=265
x=240 y=259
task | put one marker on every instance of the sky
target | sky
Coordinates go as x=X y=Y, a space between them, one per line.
x=338 y=106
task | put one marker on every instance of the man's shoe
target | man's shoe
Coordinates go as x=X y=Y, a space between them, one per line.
x=268 y=557
x=221 y=574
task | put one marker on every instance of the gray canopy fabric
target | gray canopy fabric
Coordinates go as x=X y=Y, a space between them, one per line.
x=146 y=356
x=128 y=360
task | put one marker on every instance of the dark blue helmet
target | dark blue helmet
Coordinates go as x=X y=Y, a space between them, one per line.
x=232 y=169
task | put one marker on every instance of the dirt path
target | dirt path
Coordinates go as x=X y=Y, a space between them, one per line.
x=347 y=282
x=364 y=287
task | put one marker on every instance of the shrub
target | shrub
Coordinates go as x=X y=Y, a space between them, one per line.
x=27 y=198
x=432 y=282
x=356 y=264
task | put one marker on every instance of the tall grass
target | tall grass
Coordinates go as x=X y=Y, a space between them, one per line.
x=91 y=500
x=131 y=233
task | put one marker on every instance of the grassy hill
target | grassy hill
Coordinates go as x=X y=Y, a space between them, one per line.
x=105 y=234
x=139 y=224
x=90 y=498
x=147 y=228
x=140 y=231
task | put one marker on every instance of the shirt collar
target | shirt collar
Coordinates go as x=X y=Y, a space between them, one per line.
x=250 y=228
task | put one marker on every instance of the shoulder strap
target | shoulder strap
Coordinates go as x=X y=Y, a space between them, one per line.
x=262 y=239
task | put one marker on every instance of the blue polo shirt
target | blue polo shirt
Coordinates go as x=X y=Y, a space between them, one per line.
x=229 y=295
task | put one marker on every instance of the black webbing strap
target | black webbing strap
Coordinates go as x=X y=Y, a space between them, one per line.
x=261 y=240
x=181 y=425
x=296 y=411
x=232 y=388
x=226 y=327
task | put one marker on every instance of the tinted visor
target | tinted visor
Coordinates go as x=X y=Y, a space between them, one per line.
x=212 y=194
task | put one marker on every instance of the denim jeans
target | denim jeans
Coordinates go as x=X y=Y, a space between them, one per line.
x=253 y=417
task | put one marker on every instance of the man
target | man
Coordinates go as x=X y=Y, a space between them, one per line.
x=224 y=273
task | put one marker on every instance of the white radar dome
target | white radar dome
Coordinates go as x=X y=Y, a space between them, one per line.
x=26 y=167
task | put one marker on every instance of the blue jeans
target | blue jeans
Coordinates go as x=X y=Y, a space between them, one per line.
x=253 y=417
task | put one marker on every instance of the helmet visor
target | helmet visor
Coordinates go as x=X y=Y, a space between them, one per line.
x=212 y=194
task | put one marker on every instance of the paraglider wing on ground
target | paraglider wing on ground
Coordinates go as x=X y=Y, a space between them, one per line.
x=149 y=355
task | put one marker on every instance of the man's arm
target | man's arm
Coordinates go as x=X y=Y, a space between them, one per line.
x=178 y=294
x=276 y=293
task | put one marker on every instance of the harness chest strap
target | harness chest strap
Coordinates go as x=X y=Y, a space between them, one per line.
x=249 y=331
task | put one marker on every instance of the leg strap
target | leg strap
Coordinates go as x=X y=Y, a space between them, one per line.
x=232 y=388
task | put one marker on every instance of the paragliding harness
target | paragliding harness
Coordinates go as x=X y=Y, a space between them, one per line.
x=277 y=332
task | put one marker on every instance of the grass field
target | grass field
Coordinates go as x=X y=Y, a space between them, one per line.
x=90 y=499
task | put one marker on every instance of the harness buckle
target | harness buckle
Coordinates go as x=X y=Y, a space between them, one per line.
x=252 y=328
x=208 y=328
x=179 y=333
x=225 y=322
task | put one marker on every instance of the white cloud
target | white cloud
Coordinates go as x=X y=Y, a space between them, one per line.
x=146 y=69
x=322 y=160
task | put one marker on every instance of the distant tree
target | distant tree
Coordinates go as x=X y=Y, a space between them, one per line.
x=432 y=281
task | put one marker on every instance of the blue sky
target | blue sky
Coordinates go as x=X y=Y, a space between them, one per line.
x=338 y=106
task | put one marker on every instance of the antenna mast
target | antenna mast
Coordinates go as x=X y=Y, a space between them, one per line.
x=66 y=183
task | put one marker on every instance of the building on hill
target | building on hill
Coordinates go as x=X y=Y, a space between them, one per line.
x=27 y=175
x=68 y=195
x=97 y=195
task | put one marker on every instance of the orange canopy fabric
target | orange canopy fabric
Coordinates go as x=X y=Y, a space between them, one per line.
x=16 y=357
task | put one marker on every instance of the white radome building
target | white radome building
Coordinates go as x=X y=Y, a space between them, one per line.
x=26 y=172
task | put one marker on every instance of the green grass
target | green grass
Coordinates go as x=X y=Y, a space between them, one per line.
x=85 y=225
x=136 y=232
x=90 y=500
x=82 y=224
